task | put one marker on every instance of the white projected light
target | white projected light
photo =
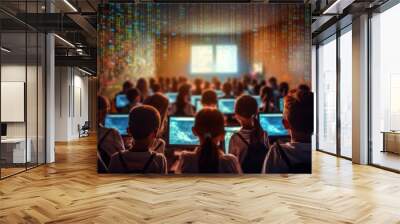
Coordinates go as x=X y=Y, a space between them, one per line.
x=209 y=59
x=226 y=59
x=202 y=59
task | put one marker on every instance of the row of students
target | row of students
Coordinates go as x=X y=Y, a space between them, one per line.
x=270 y=92
x=249 y=151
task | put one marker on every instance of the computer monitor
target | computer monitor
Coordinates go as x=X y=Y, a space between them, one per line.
x=198 y=105
x=121 y=100
x=258 y=99
x=180 y=132
x=171 y=96
x=194 y=99
x=119 y=122
x=272 y=124
x=220 y=93
x=3 y=130
x=281 y=105
x=226 y=106
x=229 y=131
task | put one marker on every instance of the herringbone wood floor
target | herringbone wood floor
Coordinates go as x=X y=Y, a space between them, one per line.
x=70 y=191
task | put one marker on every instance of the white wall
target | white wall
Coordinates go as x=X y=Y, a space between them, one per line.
x=71 y=102
x=33 y=127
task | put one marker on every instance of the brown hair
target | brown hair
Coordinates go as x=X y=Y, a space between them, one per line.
x=299 y=111
x=160 y=102
x=209 y=97
x=143 y=120
x=209 y=123
x=103 y=104
x=247 y=107
x=132 y=94
x=184 y=91
x=227 y=88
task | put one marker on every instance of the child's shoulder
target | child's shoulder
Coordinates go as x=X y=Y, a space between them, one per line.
x=228 y=158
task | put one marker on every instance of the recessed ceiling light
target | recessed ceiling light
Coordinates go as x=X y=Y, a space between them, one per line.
x=5 y=50
x=84 y=71
x=70 y=5
x=65 y=41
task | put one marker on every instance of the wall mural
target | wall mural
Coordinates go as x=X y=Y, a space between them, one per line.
x=227 y=85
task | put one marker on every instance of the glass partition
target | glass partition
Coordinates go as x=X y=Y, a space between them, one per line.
x=15 y=151
x=327 y=96
x=385 y=89
x=22 y=90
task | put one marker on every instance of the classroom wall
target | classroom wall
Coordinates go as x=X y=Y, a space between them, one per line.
x=173 y=58
x=283 y=47
x=71 y=102
x=155 y=40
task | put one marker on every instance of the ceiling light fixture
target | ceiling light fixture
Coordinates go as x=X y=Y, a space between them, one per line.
x=65 y=41
x=70 y=5
x=5 y=50
x=84 y=71
x=337 y=7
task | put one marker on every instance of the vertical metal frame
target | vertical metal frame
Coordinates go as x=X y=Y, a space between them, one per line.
x=369 y=100
x=338 y=98
x=317 y=96
x=26 y=87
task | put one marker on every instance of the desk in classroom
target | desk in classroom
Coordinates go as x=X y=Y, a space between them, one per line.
x=391 y=141
x=13 y=150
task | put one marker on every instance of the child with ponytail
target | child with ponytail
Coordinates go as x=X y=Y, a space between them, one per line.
x=209 y=157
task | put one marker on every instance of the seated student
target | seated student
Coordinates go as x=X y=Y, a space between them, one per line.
x=216 y=83
x=304 y=87
x=209 y=99
x=109 y=140
x=294 y=156
x=208 y=157
x=143 y=87
x=182 y=106
x=283 y=89
x=207 y=85
x=239 y=89
x=167 y=85
x=267 y=97
x=174 y=85
x=227 y=89
x=273 y=84
x=152 y=81
x=125 y=87
x=198 y=83
x=252 y=87
x=250 y=145
x=156 y=88
x=258 y=87
x=160 y=102
x=144 y=123
x=133 y=95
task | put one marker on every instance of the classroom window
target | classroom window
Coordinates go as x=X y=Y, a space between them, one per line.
x=385 y=89
x=207 y=59
x=346 y=94
x=327 y=96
